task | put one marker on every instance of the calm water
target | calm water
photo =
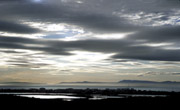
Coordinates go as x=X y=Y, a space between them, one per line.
x=138 y=86
x=51 y=97
x=94 y=97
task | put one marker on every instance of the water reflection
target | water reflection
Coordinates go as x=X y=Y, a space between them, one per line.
x=66 y=97
x=51 y=97
x=101 y=97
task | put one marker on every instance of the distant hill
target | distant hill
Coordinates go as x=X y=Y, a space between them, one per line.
x=122 y=81
x=136 y=81
x=83 y=82
x=145 y=81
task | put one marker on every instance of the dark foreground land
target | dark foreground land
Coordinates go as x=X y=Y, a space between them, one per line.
x=131 y=99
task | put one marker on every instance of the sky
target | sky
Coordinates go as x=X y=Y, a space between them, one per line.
x=52 y=41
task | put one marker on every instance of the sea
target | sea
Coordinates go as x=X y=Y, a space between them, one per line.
x=137 y=86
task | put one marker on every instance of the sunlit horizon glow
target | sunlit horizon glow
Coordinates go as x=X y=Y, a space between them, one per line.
x=52 y=41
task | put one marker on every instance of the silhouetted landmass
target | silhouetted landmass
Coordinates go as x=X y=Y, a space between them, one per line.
x=144 y=81
x=88 y=91
x=125 y=81
x=84 y=82
x=128 y=100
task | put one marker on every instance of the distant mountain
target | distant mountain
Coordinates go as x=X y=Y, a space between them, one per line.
x=170 y=82
x=83 y=82
x=136 y=81
x=145 y=81
x=123 y=81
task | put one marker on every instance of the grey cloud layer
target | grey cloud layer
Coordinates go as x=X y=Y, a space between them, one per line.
x=158 y=34
x=21 y=43
x=124 y=49
x=96 y=16
x=89 y=19
x=13 y=27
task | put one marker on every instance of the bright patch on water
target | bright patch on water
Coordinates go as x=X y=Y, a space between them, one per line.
x=50 y=97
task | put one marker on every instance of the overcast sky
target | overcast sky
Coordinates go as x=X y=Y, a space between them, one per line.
x=52 y=41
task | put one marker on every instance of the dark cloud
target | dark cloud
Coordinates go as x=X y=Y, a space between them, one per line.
x=10 y=51
x=158 y=34
x=18 y=40
x=36 y=45
x=104 y=24
x=153 y=54
x=96 y=16
x=31 y=65
x=13 y=27
x=126 y=50
x=90 y=19
x=11 y=0
x=146 y=5
x=8 y=1
x=123 y=48
x=21 y=61
x=118 y=60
